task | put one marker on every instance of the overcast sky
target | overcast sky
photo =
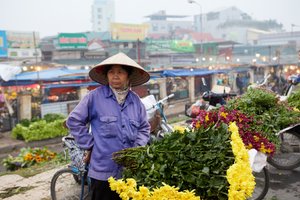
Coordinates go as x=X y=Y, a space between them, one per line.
x=49 y=17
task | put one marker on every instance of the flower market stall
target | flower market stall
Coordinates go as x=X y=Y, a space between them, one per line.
x=209 y=162
x=212 y=160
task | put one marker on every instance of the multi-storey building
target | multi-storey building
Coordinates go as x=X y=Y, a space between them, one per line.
x=160 y=23
x=103 y=13
x=234 y=24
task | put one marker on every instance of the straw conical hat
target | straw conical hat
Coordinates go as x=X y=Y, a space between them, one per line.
x=137 y=77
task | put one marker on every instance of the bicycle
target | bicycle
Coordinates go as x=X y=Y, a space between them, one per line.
x=156 y=116
x=71 y=182
x=287 y=157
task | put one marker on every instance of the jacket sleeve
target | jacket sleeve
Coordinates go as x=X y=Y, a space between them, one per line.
x=77 y=123
x=144 y=129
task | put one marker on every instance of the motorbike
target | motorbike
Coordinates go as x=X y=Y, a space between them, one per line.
x=209 y=100
x=156 y=116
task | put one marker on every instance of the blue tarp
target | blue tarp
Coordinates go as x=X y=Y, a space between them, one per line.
x=48 y=86
x=51 y=74
x=190 y=72
x=65 y=74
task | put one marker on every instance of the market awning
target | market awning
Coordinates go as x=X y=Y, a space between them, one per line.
x=49 y=86
x=190 y=72
x=52 y=74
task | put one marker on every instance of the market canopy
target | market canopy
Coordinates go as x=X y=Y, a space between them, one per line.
x=7 y=72
x=49 y=75
x=52 y=74
x=188 y=72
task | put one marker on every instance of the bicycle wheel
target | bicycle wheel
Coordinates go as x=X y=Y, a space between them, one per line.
x=64 y=186
x=287 y=157
x=262 y=184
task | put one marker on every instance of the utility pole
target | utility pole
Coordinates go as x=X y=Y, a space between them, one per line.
x=201 y=27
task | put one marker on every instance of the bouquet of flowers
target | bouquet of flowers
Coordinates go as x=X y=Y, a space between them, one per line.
x=28 y=157
x=211 y=162
x=268 y=113
x=251 y=137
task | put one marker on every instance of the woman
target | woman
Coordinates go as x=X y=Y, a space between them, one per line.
x=116 y=116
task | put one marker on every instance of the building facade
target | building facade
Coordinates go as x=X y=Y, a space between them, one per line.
x=161 y=23
x=103 y=14
x=233 y=24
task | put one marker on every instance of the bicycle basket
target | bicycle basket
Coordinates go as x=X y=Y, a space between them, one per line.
x=76 y=154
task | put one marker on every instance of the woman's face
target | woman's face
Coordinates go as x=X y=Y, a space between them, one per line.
x=117 y=77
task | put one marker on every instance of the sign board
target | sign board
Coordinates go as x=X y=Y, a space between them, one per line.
x=128 y=32
x=22 y=40
x=72 y=41
x=3 y=44
x=24 y=53
x=180 y=46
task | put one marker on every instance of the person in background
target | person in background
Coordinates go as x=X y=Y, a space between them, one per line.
x=117 y=119
x=239 y=83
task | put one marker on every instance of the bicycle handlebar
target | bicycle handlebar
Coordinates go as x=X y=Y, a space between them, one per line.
x=164 y=99
x=161 y=101
x=265 y=80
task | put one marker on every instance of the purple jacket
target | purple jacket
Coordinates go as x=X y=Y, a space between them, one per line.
x=114 y=128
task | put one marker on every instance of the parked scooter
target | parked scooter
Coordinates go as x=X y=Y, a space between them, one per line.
x=156 y=116
x=209 y=100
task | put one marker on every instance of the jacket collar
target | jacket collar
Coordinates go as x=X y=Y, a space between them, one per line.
x=110 y=94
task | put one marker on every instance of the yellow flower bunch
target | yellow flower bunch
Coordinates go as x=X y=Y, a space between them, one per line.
x=296 y=109
x=180 y=129
x=128 y=190
x=239 y=175
x=28 y=157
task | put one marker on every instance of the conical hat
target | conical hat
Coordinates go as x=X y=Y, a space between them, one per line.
x=137 y=77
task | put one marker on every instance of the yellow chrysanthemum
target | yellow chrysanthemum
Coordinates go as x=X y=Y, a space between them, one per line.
x=128 y=191
x=223 y=114
x=198 y=124
x=179 y=128
x=239 y=175
x=206 y=118
x=28 y=157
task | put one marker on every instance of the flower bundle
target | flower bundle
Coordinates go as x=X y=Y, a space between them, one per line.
x=195 y=160
x=239 y=172
x=250 y=137
x=269 y=114
x=128 y=190
x=28 y=157
x=294 y=100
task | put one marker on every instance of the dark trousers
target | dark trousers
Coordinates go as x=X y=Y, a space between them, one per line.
x=102 y=191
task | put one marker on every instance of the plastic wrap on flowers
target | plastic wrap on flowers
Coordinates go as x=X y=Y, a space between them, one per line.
x=193 y=160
